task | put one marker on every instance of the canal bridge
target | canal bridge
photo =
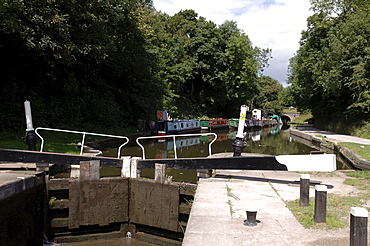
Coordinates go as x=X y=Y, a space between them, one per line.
x=287 y=117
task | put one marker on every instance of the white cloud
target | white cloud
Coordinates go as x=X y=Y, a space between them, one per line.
x=274 y=24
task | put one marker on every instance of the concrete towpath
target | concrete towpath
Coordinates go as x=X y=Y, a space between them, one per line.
x=331 y=136
x=220 y=205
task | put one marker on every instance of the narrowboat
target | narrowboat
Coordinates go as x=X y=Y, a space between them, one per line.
x=214 y=123
x=165 y=127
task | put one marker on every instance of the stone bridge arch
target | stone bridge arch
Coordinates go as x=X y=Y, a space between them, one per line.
x=287 y=117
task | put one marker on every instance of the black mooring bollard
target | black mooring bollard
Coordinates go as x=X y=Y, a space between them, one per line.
x=358 y=226
x=238 y=146
x=31 y=140
x=304 y=200
x=251 y=218
x=320 y=204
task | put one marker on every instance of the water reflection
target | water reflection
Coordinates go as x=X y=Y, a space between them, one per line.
x=270 y=140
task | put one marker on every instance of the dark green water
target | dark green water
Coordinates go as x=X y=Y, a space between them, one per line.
x=270 y=141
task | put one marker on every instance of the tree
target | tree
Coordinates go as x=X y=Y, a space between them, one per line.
x=330 y=72
x=209 y=70
x=80 y=63
x=269 y=97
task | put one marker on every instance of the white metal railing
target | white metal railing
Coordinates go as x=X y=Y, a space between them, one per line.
x=174 y=141
x=83 y=137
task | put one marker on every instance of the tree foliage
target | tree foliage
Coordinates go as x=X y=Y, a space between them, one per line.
x=269 y=97
x=210 y=70
x=330 y=72
x=78 y=62
x=87 y=64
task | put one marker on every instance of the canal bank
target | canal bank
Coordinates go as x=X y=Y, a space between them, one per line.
x=330 y=140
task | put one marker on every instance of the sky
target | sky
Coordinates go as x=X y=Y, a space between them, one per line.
x=273 y=24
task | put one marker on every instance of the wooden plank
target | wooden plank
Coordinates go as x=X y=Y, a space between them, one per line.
x=188 y=189
x=18 y=165
x=154 y=204
x=119 y=200
x=58 y=184
x=74 y=204
x=59 y=222
x=11 y=155
x=98 y=202
x=59 y=204
x=84 y=202
x=184 y=209
x=240 y=163
x=320 y=163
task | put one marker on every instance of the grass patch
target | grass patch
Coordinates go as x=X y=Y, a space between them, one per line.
x=362 y=131
x=55 y=142
x=302 y=118
x=360 y=149
x=338 y=206
x=337 y=211
x=231 y=207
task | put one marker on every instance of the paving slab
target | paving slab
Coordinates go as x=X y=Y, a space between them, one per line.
x=220 y=205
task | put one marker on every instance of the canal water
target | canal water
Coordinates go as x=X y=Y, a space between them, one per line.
x=272 y=141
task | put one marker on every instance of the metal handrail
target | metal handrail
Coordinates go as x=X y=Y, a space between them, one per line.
x=83 y=137
x=174 y=141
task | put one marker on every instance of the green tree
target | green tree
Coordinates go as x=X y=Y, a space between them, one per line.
x=330 y=72
x=209 y=70
x=269 y=97
x=80 y=63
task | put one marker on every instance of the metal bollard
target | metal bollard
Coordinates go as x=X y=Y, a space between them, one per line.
x=251 y=219
x=238 y=146
x=31 y=140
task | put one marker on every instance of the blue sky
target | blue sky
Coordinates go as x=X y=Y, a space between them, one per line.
x=274 y=24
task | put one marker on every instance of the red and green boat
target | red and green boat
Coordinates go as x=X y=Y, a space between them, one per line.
x=214 y=123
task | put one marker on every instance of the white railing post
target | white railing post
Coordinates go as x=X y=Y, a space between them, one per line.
x=82 y=143
x=174 y=146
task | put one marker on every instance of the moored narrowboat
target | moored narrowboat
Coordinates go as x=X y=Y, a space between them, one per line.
x=165 y=127
x=214 y=123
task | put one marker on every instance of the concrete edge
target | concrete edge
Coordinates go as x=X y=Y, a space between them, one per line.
x=351 y=157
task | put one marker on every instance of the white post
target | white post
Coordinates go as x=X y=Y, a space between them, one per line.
x=134 y=161
x=27 y=109
x=126 y=166
x=243 y=113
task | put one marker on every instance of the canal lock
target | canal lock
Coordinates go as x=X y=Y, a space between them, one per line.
x=81 y=210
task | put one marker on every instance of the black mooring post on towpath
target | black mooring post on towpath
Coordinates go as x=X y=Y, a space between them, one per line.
x=320 y=204
x=304 y=200
x=358 y=226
